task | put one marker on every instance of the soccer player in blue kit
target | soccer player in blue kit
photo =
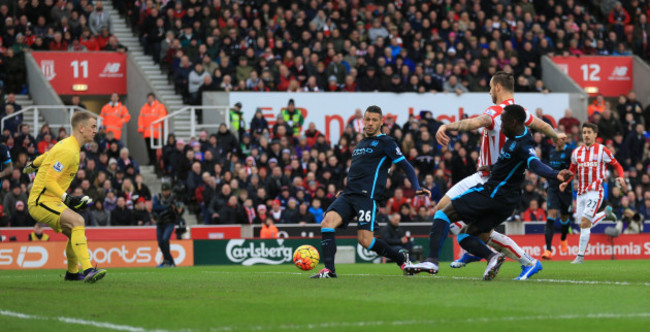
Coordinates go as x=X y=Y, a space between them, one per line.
x=487 y=205
x=366 y=183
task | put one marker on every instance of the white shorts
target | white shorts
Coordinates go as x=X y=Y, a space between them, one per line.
x=458 y=189
x=588 y=205
x=465 y=184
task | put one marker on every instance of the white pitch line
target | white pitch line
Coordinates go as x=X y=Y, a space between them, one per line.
x=319 y=326
x=76 y=321
x=557 y=281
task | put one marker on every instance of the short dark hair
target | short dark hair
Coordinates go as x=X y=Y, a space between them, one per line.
x=506 y=80
x=79 y=118
x=375 y=109
x=150 y=94
x=515 y=112
x=591 y=126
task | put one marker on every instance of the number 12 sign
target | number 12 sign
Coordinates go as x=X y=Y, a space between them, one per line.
x=93 y=73
x=611 y=75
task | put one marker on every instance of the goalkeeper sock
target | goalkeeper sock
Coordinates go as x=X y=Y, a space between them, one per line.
x=548 y=232
x=510 y=248
x=73 y=262
x=328 y=247
x=383 y=249
x=474 y=246
x=80 y=246
x=438 y=235
x=584 y=240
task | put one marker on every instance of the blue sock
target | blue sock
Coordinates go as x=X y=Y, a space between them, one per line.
x=383 y=249
x=438 y=235
x=565 y=227
x=328 y=247
x=474 y=246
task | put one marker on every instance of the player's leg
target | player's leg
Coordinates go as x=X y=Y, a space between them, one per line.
x=164 y=233
x=72 y=273
x=506 y=245
x=566 y=203
x=474 y=242
x=333 y=219
x=584 y=202
x=367 y=240
x=75 y=224
x=549 y=230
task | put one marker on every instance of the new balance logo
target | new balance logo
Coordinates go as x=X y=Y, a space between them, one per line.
x=620 y=73
x=112 y=69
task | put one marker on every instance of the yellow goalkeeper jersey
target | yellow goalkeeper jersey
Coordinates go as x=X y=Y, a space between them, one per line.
x=56 y=170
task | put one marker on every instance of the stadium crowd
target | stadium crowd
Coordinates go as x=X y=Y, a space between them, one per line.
x=290 y=174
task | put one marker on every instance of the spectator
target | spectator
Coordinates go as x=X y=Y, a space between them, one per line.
x=12 y=123
x=99 y=20
x=76 y=101
x=12 y=198
x=115 y=115
x=635 y=143
x=608 y=126
x=568 y=121
x=453 y=85
x=121 y=215
x=598 y=105
x=303 y=216
x=293 y=117
x=195 y=82
x=37 y=234
x=316 y=210
x=394 y=235
x=151 y=111
x=237 y=122
x=619 y=18
x=46 y=144
x=269 y=231
x=534 y=212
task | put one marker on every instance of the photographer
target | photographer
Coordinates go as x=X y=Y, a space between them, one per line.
x=167 y=211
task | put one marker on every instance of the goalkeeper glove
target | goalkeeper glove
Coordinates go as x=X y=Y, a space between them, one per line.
x=76 y=203
x=30 y=168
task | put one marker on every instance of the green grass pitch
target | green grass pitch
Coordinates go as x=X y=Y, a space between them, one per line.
x=596 y=296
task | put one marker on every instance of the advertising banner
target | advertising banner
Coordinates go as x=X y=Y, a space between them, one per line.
x=310 y=231
x=280 y=251
x=608 y=75
x=331 y=112
x=215 y=232
x=84 y=73
x=51 y=255
x=601 y=246
x=140 y=233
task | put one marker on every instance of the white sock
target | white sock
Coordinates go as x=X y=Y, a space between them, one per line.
x=584 y=240
x=456 y=227
x=510 y=248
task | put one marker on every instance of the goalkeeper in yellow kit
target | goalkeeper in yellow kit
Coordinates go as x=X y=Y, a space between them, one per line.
x=50 y=204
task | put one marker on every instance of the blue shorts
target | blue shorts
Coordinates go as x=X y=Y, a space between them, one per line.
x=481 y=212
x=350 y=206
x=561 y=201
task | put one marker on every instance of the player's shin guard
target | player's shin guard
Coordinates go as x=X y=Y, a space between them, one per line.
x=510 y=248
x=474 y=246
x=383 y=249
x=328 y=247
x=73 y=262
x=438 y=235
x=548 y=232
x=565 y=227
x=584 y=240
x=80 y=246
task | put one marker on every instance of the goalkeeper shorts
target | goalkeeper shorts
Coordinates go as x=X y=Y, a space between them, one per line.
x=48 y=213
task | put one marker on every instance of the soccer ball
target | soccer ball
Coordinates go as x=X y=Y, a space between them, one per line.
x=306 y=257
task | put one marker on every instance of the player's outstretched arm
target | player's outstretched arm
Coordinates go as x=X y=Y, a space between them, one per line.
x=546 y=128
x=462 y=125
x=33 y=165
x=413 y=178
x=543 y=170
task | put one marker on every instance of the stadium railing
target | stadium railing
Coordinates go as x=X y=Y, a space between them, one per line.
x=211 y=120
x=37 y=123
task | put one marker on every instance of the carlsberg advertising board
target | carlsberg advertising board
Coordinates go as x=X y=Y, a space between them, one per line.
x=278 y=251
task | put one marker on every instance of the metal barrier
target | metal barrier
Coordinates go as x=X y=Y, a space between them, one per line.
x=165 y=130
x=69 y=111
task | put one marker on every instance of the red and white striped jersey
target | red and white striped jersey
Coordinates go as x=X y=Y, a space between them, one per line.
x=589 y=163
x=493 y=139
